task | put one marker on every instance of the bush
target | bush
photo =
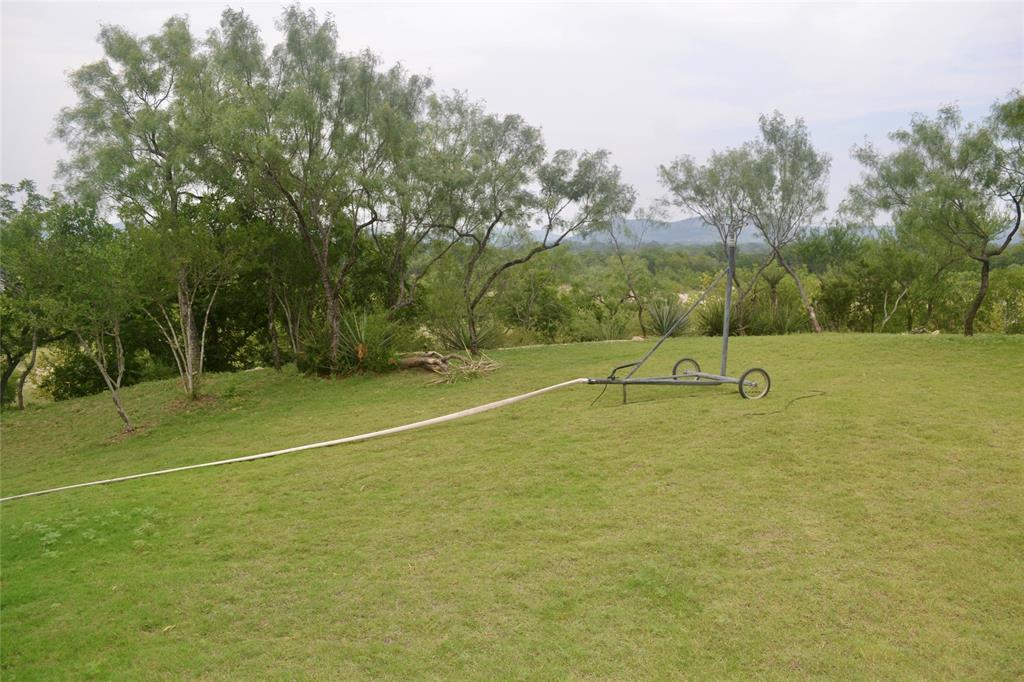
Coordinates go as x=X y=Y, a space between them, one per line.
x=533 y=305
x=149 y=367
x=74 y=374
x=255 y=351
x=591 y=325
x=10 y=391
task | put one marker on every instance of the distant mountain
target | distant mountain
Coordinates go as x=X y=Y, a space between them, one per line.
x=689 y=232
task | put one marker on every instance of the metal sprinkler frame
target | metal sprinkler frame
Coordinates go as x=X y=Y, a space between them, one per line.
x=753 y=384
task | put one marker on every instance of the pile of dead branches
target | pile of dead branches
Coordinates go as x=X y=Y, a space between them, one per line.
x=449 y=368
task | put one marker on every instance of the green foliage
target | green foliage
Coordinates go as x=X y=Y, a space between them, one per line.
x=1008 y=300
x=71 y=372
x=368 y=341
x=821 y=249
x=8 y=395
x=532 y=302
x=952 y=182
x=718 y=191
x=762 y=318
x=775 y=311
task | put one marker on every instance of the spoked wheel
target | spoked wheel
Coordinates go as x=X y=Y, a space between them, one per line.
x=755 y=383
x=687 y=365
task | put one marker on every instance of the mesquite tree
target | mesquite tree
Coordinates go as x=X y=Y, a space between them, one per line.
x=90 y=292
x=411 y=200
x=962 y=183
x=579 y=192
x=315 y=128
x=24 y=279
x=626 y=237
x=716 y=192
x=504 y=187
x=786 y=190
x=137 y=135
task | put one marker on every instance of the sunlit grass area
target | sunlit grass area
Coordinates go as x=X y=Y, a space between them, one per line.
x=866 y=519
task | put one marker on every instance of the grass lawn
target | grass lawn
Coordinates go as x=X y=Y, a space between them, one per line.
x=874 y=528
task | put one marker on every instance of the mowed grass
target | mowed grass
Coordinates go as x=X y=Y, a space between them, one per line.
x=864 y=520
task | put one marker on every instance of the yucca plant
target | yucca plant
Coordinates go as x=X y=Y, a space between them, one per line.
x=665 y=314
x=366 y=342
x=711 y=316
x=454 y=334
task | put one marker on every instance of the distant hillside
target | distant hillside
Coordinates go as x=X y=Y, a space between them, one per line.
x=690 y=232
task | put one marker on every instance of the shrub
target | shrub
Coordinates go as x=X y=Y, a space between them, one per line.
x=11 y=390
x=588 y=326
x=532 y=304
x=73 y=374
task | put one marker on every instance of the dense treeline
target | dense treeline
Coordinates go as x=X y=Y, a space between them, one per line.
x=227 y=206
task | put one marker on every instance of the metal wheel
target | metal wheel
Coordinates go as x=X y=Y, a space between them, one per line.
x=755 y=383
x=688 y=365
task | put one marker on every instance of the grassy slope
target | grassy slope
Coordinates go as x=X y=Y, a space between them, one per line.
x=874 y=530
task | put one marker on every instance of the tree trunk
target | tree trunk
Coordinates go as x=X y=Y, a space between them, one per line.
x=275 y=344
x=972 y=312
x=803 y=294
x=753 y=282
x=430 y=360
x=192 y=350
x=12 y=364
x=474 y=340
x=99 y=358
x=115 y=393
x=291 y=322
x=334 y=319
x=28 y=370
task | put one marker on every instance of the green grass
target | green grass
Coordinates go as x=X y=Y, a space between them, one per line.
x=872 y=529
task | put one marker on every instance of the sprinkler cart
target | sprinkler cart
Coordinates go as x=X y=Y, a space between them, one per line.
x=754 y=383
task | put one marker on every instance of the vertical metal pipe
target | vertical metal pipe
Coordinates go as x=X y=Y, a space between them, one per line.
x=731 y=251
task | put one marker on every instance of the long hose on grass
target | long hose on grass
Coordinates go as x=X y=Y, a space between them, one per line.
x=327 y=443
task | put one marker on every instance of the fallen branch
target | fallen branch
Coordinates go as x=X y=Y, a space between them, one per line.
x=431 y=361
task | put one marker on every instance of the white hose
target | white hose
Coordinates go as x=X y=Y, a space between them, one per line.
x=324 y=444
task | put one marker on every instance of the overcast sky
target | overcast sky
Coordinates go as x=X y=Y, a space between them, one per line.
x=646 y=81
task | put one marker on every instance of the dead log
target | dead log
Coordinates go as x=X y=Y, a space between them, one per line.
x=431 y=361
